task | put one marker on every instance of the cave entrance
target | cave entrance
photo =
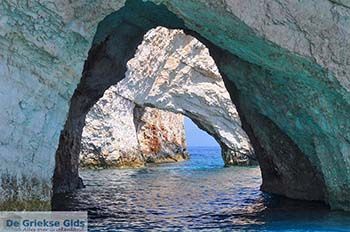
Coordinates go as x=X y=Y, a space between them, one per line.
x=177 y=78
x=285 y=168
x=128 y=126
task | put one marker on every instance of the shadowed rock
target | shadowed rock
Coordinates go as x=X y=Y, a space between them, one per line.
x=287 y=63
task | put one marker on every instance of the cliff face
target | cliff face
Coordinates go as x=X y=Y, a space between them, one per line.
x=173 y=71
x=119 y=134
x=161 y=135
x=285 y=64
x=43 y=47
x=109 y=138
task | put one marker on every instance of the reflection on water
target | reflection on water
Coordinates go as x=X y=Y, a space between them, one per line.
x=198 y=194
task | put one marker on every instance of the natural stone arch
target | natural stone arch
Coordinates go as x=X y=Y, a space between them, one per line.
x=286 y=168
x=177 y=74
x=174 y=72
x=302 y=49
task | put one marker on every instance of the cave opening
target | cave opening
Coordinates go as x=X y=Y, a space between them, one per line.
x=140 y=120
x=285 y=168
x=196 y=137
x=204 y=151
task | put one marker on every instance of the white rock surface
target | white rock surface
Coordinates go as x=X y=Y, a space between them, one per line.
x=119 y=134
x=110 y=133
x=173 y=71
x=43 y=46
x=170 y=71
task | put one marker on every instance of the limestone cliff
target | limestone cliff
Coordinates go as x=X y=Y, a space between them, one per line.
x=161 y=135
x=170 y=71
x=109 y=137
x=173 y=71
x=119 y=134
x=285 y=64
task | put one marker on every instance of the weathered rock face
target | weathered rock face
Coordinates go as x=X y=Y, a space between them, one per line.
x=109 y=137
x=173 y=71
x=119 y=134
x=43 y=47
x=285 y=63
x=161 y=135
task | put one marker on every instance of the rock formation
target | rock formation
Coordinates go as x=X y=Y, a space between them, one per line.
x=109 y=137
x=174 y=72
x=161 y=135
x=120 y=134
x=285 y=64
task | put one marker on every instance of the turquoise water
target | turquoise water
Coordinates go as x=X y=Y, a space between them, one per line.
x=196 y=195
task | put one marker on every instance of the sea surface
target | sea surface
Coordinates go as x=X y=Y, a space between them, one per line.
x=195 y=195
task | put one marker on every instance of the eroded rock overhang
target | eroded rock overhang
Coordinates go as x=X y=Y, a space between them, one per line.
x=275 y=88
x=174 y=72
x=296 y=77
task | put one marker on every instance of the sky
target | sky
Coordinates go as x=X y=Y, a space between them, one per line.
x=196 y=136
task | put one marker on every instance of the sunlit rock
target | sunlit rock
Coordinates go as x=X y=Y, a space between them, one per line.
x=119 y=134
x=286 y=64
x=161 y=135
x=109 y=137
x=174 y=72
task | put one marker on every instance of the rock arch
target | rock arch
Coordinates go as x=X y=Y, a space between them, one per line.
x=174 y=72
x=285 y=65
x=286 y=170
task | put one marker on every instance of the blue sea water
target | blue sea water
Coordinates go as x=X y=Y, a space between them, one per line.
x=195 y=195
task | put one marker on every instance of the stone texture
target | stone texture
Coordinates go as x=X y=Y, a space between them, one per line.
x=299 y=80
x=43 y=47
x=286 y=63
x=119 y=134
x=161 y=135
x=109 y=138
x=174 y=72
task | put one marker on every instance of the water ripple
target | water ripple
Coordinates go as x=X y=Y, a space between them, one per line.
x=195 y=195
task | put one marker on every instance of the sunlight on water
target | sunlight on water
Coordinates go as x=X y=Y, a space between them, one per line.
x=198 y=194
